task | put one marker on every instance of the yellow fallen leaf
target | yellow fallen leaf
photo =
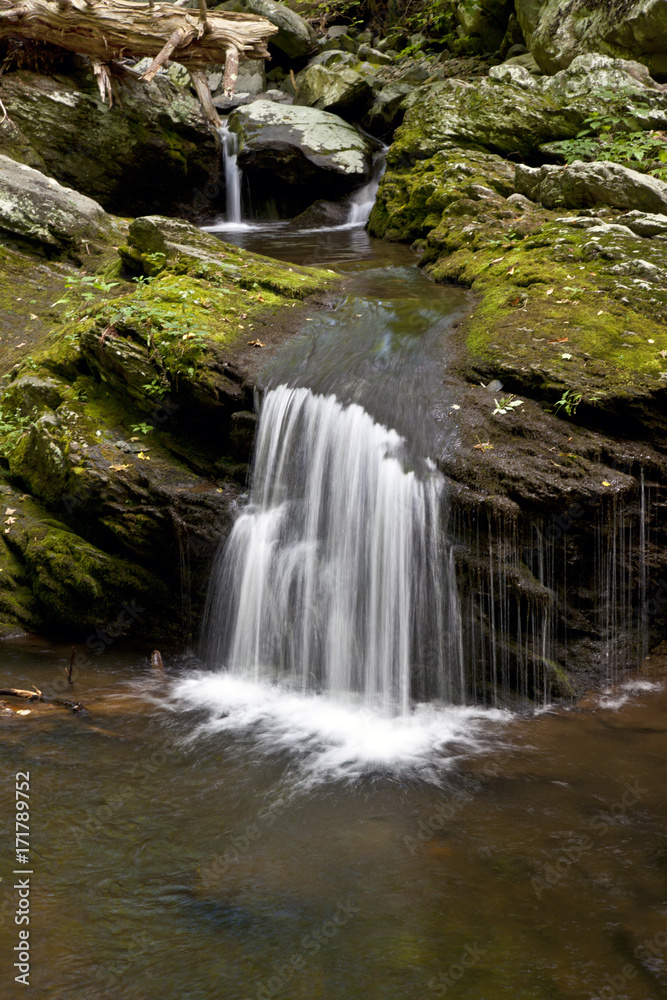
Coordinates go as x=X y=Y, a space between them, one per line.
x=605 y=483
x=119 y=468
x=145 y=458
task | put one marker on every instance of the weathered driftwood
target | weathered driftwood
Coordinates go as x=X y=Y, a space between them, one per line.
x=106 y=30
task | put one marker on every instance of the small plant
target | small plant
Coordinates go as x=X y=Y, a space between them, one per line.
x=142 y=428
x=87 y=288
x=570 y=400
x=507 y=404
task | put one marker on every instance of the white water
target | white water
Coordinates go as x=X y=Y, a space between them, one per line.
x=233 y=177
x=336 y=578
x=362 y=201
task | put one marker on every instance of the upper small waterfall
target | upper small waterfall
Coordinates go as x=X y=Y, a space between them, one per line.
x=232 y=171
x=337 y=577
x=362 y=201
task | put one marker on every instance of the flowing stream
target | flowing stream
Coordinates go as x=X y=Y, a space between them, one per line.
x=302 y=817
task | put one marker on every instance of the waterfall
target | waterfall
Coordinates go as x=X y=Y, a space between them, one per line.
x=362 y=201
x=232 y=171
x=337 y=576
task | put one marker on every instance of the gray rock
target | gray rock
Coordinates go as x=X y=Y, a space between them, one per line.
x=301 y=145
x=645 y=223
x=40 y=209
x=557 y=32
x=295 y=37
x=581 y=185
x=509 y=73
x=387 y=110
x=339 y=89
x=322 y=215
x=374 y=56
x=526 y=61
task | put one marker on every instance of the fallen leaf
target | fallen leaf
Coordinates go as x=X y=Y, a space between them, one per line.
x=10 y=511
x=566 y=357
x=561 y=340
x=10 y=520
x=550 y=291
x=511 y=271
x=600 y=312
x=256 y=343
x=119 y=468
x=663 y=354
x=496 y=261
x=135 y=439
x=32 y=316
x=23 y=711
x=143 y=457
x=605 y=483
x=484 y=446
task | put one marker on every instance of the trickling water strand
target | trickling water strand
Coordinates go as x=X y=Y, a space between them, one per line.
x=232 y=171
x=362 y=201
x=337 y=577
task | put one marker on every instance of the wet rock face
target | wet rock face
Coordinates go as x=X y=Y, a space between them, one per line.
x=297 y=155
x=558 y=32
x=152 y=151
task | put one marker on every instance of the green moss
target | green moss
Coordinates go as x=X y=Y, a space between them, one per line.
x=559 y=283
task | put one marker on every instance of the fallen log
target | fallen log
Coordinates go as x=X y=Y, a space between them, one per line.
x=108 y=30
x=37 y=695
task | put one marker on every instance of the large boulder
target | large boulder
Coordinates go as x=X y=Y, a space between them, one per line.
x=153 y=151
x=295 y=37
x=558 y=32
x=336 y=88
x=582 y=185
x=296 y=154
x=37 y=208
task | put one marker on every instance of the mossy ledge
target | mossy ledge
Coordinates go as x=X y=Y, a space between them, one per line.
x=126 y=421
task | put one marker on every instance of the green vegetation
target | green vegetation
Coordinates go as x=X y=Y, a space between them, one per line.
x=615 y=134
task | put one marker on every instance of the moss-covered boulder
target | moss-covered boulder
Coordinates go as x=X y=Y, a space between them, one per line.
x=125 y=434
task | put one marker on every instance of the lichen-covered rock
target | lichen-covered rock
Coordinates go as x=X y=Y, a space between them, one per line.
x=630 y=29
x=41 y=210
x=339 y=89
x=582 y=185
x=299 y=154
x=153 y=151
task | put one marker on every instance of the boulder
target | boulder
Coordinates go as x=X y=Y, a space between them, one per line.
x=582 y=185
x=557 y=32
x=153 y=151
x=387 y=110
x=39 y=209
x=487 y=19
x=323 y=214
x=339 y=89
x=295 y=37
x=298 y=154
x=645 y=223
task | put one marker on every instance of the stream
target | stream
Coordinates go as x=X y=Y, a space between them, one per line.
x=289 y=815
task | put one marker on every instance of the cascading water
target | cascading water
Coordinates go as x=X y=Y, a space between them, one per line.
x=362 y=201
x=337 y=577
x=232 y=172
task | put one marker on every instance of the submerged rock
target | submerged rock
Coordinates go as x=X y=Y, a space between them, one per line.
x=582 y=185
